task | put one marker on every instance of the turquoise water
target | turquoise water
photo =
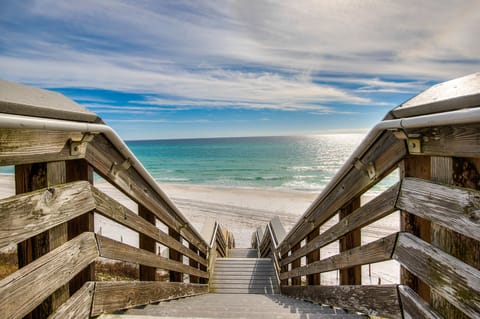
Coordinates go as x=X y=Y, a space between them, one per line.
x=305 y=163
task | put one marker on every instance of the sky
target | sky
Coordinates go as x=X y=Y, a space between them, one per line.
x=187 y=69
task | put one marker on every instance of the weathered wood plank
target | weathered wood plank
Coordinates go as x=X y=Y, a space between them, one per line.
x=379 y=207
x=373 y=300
x=30 y=214
x=23 y=290
x=454 y=280
x=419 y=167
x=102 y=155
x=28 y=146
x=313 y=279
x=175 y=276
x=147 y=243
x=452 y=207
x=458 y=141
x=352 y=239
x=108 y=207
x=79 y=170
x=414 y=306
x=111 y=296
x=115 y=250
x=377 y=251
x=384 y=154
x=78 y=306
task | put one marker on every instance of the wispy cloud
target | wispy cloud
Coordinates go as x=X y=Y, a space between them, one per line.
x=312 y=56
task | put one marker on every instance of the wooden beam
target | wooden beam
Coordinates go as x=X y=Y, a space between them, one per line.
x=454 y=280
x=108 y=207
x=379 y=207
x=175 y=276
x=450 y=141
x=377 y=251
x=414 y=306
x=112 y=249
x=352 y=239
x=296 y=280
x=194 y=264
x=450 y=239
x=26 y=146
x=452 y=207
x=30 y=214
x=147 y=243
x=111 y=296
x=314 y=278
x=385 y=154
x=79 y=304
x=102 y=155
x=23 y=290
x=420 y=167
x=372 y=300
x=79 y=170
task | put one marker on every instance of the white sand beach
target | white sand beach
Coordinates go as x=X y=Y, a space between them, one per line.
x=241 y=210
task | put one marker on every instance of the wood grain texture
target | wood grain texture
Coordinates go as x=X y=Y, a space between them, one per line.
x=29 y=214
x=78 y=306
x=452 y=207
x=112 y=249
x=414 y=306
x=102 y=155
x=377 y=251
x=111 y=296
x=23 y=290
x=28 y=146
x=454 y=280
x=373 y=300
x=379 y=207
x=110 y=208
x=385 y=154
x=351 y=275
x=458 y=141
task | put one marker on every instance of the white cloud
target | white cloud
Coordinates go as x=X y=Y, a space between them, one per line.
x=251 y=54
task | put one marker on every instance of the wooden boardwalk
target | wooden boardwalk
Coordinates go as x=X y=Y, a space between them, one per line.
x=56 y=146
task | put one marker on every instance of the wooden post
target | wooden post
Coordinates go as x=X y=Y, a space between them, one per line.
x=193 y=263
x=352 y=275
x=296 y=281
x=79 y=170
x=461 y=172
x=203 y=268
x=147 y=273
x=415 y=166
x=175 y=255
x=28 y=178
x=313 y=256
x=284 y=269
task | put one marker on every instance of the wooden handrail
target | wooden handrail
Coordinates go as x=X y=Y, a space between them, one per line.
x=439 y=200
x=54 y=163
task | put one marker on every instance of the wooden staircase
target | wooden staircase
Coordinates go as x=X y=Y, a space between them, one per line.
x=242 y=286
x=244 y=275
x=249 y=306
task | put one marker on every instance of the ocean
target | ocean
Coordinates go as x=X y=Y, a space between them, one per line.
x=304 y=163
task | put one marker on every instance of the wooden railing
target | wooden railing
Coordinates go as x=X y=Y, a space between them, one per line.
x=435 y=146
x=51 y=220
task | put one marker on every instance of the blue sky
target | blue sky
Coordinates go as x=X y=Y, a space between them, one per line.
x=174 y=69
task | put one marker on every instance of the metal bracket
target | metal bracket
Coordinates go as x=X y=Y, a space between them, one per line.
x=77 y=148
x=369 y=168
x=414 y=141
x=116 y=168
x=414 y=145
